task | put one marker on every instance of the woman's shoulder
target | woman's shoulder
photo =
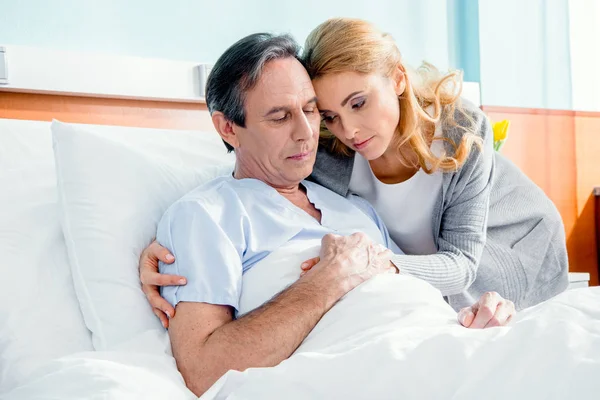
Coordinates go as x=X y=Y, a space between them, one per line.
x=332 y=170
x=466 y=118
x=470 y=128
x=469 y=123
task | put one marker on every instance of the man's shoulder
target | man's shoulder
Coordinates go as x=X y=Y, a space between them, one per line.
x=209 y=196
x=209 y=191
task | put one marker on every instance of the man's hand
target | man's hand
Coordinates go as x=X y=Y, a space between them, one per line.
x=330 y=241
x=491 y=310
x=347 y=261
x=151 y=279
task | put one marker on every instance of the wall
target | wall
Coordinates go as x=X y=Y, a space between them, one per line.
x=525 y=55
x=200 y=30
x=559 y=151
x=584 y=17
x=463 y=37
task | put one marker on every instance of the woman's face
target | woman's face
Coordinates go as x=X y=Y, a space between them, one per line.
x=361 y=110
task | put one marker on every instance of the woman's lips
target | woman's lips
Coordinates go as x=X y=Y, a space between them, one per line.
x=363 y=144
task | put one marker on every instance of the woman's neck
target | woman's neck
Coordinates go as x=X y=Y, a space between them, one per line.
x=392 y=168
x=397 y=165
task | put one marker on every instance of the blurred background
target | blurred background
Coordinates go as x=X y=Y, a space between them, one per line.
x=537 y=63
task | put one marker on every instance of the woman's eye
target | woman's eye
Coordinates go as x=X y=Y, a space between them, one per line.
x=358 y=104
x=329 y=118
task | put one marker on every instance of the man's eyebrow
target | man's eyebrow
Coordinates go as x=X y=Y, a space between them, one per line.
x=313 y=100
x=277 y=109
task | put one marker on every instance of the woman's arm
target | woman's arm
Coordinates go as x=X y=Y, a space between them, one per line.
x=464 y=213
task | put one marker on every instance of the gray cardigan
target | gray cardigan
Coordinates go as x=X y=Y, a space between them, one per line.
x=495 y=229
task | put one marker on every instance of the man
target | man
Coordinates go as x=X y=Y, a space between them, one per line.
x=264 y=107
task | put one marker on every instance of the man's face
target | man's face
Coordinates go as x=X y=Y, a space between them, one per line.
x=279 y=143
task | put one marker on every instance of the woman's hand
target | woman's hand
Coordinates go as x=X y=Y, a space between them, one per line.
x=152 y=279
x=491 y=310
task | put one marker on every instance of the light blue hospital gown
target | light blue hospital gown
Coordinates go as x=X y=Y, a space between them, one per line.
x=221 y=229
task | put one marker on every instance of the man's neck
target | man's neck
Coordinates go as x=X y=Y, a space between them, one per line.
x=291 y=191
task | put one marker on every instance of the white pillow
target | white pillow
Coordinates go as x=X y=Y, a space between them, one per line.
x=112 y=196
x=39 y=314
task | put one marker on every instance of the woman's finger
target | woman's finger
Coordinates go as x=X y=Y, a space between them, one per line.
x=151 y=276
x=162 y=317
x=486 y=309
x=156 y=251
x=165 y=280
x=466 y=317
x=503 y=315
x=156 y=301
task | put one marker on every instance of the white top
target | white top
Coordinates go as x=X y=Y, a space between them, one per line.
x=220 y=230
x=407 y=207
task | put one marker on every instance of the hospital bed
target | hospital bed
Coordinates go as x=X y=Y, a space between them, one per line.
x=80 y=199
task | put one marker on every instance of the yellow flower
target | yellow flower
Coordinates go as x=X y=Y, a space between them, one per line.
x=500 y=130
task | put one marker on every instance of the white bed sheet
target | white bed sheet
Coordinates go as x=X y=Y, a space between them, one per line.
x=392 y=337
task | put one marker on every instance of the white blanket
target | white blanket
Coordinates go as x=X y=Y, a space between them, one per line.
x=395 y=337
x=392 y=337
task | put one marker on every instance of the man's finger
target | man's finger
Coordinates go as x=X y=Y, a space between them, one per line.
x=308 y=264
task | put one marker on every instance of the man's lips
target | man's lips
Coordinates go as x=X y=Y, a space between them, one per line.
x=300 y=156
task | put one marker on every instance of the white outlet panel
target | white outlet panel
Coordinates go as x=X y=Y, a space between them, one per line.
x=203 y=72
x=3 y=66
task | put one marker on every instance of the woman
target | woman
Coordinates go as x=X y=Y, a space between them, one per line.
x=468 y=220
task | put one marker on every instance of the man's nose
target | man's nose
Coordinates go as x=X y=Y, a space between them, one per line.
x=304 y=128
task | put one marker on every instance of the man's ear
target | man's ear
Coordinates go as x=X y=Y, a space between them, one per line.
x=225 y=128
x=399 y=78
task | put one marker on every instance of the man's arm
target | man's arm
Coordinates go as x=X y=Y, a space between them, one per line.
x=207 y=342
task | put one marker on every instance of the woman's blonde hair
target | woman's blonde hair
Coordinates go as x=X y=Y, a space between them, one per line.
x=343 y=44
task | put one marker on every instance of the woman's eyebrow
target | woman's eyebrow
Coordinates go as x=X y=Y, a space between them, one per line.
x=348 y=97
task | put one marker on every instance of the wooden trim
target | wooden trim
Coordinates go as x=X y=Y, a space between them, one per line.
x=105 y=111
x=540 y=111
x=597 y=218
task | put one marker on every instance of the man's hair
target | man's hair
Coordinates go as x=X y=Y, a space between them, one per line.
x=239 y=69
